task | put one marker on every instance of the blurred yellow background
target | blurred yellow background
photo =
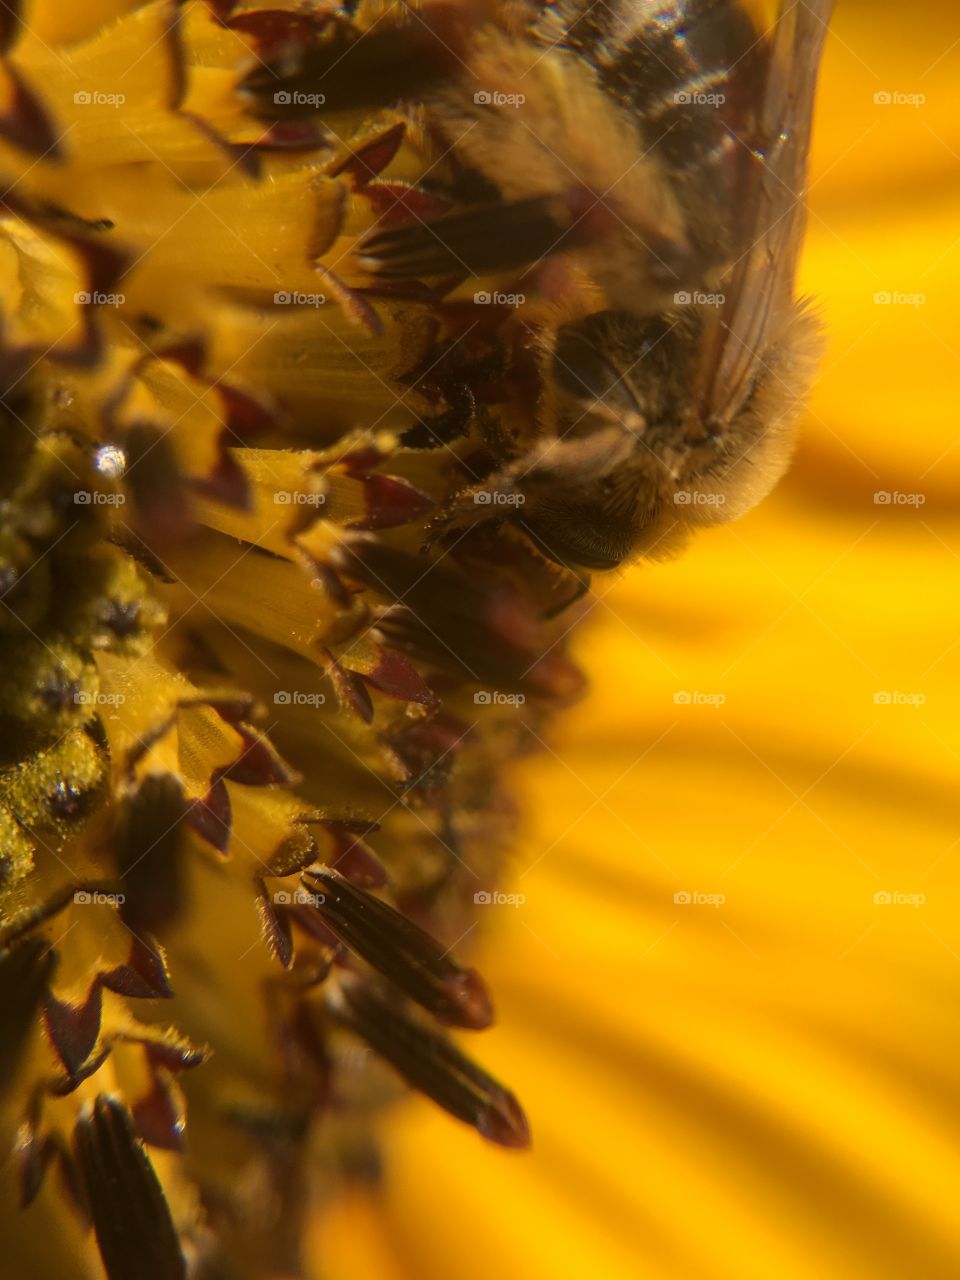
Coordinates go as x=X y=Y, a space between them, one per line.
x=764 y=1085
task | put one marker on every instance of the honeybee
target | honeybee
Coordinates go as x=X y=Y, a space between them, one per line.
x=644 y=163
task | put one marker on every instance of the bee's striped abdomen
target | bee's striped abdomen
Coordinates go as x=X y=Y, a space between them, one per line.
x=680 y=70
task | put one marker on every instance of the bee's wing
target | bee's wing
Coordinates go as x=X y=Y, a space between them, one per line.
x=759 y=287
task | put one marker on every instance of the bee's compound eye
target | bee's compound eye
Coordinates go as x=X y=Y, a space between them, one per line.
x=583 y=362
x=600 y=359
x=580 y=363
x=577 y=539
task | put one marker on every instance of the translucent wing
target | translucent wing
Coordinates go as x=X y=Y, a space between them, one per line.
x=759 y=289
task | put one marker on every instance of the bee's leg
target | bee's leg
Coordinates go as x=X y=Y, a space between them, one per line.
x=497 y=440
x=491 y=237
x=581 y=586
x=459 y=514
x=564 y=465
x=431 y=433
x=574 y=462
x=490 y=499
x=453 y=374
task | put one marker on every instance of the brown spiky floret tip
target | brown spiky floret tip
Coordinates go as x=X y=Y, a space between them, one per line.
x=255 y=700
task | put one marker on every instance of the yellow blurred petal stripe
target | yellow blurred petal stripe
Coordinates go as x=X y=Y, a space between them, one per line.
x=757 y=1080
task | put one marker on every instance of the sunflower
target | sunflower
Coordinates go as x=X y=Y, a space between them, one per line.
x=255 y=723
